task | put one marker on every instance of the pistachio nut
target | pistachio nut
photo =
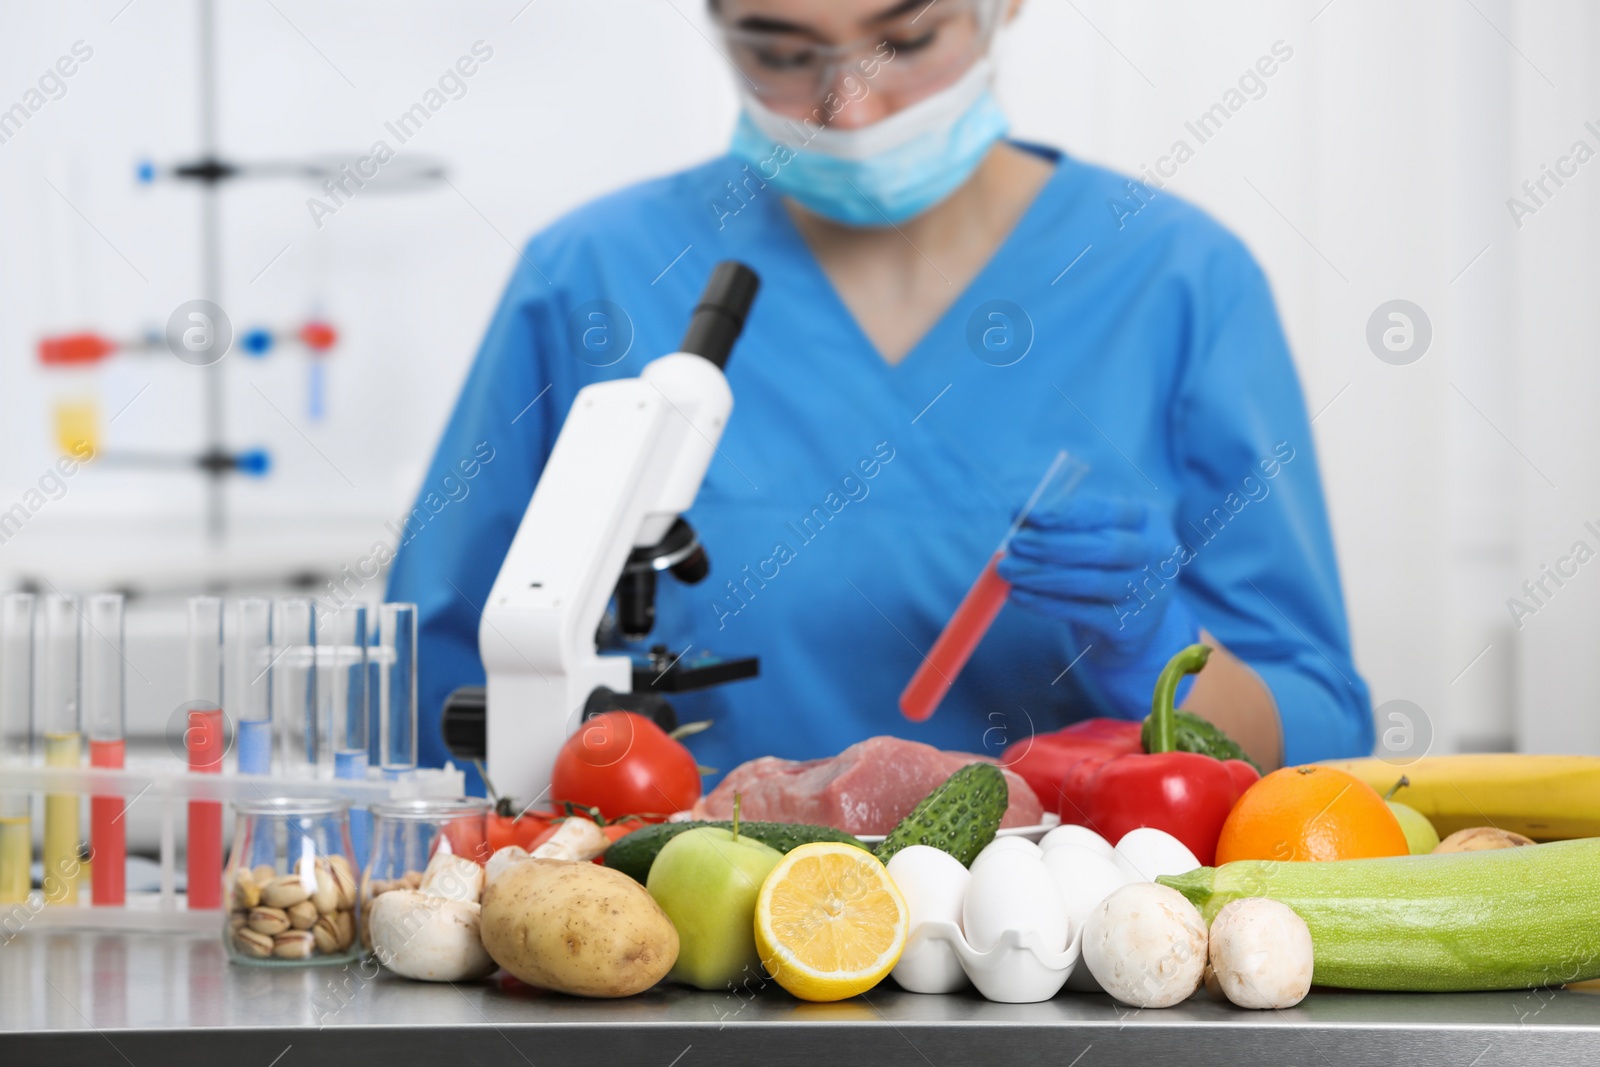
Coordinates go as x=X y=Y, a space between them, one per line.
x=412 y=880
x=269 y=921
x=246 y=890
x=264 y=873
x=326 y=898
x=343 y=881
x=236 y=921
x=250 y=943
x=325 y=932
x=284 y=892
x=294 y=945
x=345 y=923
x=302 y=915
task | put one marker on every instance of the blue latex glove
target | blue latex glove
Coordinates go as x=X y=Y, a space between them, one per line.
x=1106 y=566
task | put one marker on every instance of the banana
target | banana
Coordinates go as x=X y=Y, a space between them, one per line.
x=1548 y=798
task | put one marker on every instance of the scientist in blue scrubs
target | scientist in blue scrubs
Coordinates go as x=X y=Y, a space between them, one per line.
x=942 y=311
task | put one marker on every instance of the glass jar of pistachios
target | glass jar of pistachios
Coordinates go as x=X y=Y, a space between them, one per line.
x=290 y=885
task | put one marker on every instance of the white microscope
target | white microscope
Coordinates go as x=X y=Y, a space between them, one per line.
x=606 y=518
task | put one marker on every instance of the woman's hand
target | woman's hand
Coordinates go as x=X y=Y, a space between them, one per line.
x=1097 y=563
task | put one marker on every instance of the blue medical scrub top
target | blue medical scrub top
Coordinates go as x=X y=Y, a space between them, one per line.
x=851 y=503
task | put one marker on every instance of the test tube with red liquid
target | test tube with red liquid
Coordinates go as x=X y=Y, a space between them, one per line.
x=104 y=685
x=204 y=741
x=978 y=609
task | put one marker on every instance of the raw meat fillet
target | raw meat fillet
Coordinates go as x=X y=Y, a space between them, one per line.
x=865 y=789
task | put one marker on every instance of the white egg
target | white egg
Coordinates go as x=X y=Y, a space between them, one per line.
x=1085 y=878
x=934 y=884
x=1013 y=890
x=1077 y=835
x=1001 y=845
x=1153 y=853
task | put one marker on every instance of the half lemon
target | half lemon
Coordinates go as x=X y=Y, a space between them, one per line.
x=829 y=922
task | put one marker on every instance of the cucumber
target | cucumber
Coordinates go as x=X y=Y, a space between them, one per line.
x=959 y=817
x=634 y=853
x=1194 y=734
x=1515 y=918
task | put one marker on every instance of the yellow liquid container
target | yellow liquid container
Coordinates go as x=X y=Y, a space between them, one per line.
x=62 y=831
x=77 y=425
x=16 y=856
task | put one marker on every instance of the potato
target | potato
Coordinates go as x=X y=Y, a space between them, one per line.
x=577 y=928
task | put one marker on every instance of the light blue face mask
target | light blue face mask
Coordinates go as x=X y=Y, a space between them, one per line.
x=880 y=174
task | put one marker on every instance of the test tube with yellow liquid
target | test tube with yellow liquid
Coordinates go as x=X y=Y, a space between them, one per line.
x=16 y=743
x=61 y=727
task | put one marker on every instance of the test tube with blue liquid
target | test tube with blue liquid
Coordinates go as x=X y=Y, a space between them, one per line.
x=253 y=654
x=397 y=688
x=16 y=744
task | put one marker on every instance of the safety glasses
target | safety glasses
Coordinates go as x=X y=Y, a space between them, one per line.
x=926 y=46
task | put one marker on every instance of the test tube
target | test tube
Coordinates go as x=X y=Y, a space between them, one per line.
x=294 y=684
x=346 y=672
x=253 y=667
x=104 y=684
x=347 y=683
x=60 y=721
x=397 y=687
x=16 y=743
x=204 y=741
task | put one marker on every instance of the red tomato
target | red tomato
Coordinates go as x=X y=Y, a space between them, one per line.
x=523 y=830
x=620 y=764
x=464 y=841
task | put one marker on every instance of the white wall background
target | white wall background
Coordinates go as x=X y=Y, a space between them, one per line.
x=1376 y=166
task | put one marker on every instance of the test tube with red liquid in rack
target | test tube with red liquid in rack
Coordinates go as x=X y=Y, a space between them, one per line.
x=203 y=739
x=982 y=603
x=104 y=686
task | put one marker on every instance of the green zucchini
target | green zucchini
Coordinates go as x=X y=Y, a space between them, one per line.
x=1194 y=734
x=633 y=854
x=959 y=817
x=1515 y=918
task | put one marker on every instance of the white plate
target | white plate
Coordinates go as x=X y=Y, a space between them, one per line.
x=1032 y=833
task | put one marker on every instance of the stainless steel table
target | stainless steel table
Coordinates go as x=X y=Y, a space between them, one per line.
x=169 y=999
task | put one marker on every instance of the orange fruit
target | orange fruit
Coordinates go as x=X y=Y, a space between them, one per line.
x=1310 y=813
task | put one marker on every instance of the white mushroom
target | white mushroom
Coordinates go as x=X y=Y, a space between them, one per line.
x=1146 y=946
x=502 y=861
x=1261 y=953
x=576 y=839
x=431 y=938
x=452 y=877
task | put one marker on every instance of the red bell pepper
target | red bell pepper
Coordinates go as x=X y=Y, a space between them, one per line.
x=1045 y=760
x=1186 y=794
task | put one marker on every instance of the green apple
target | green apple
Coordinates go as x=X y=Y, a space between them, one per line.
x=1420 y=834
x=706 y=880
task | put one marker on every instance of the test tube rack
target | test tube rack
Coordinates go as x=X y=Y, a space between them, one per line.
x=159 y=912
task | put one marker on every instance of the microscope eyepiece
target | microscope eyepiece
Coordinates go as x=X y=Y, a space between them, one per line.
x=719 y=316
